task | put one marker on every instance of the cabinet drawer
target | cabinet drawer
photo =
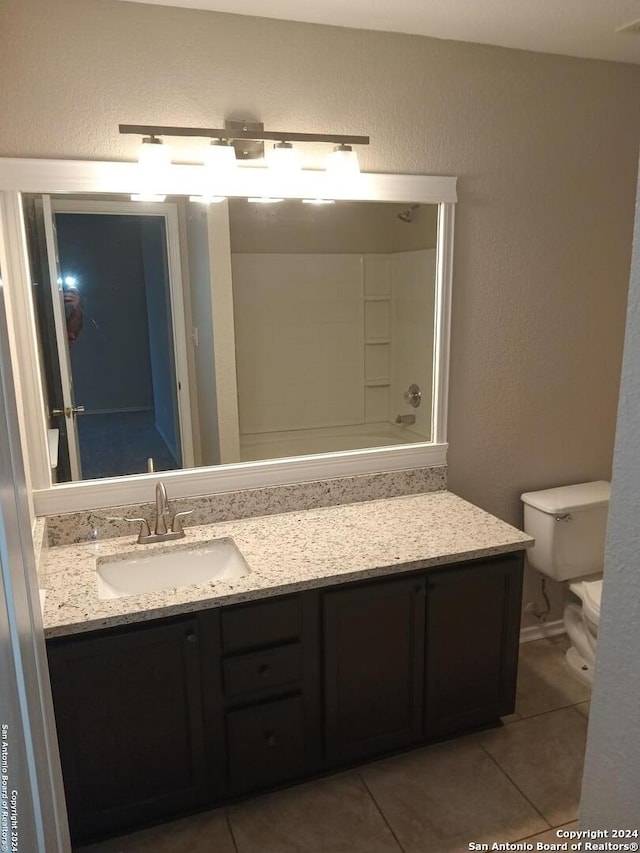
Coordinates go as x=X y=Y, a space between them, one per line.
x=266 y=743
x=262 y=624
x=275 y=667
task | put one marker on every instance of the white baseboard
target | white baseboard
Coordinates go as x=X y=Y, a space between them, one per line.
x=539 y=632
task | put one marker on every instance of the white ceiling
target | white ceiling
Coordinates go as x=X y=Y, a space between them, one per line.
x=584 y=28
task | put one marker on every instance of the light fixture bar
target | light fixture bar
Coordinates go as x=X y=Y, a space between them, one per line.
x=231 y=134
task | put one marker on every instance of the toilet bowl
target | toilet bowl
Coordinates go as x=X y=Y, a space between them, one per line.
x=569 y=526
x=581 y=623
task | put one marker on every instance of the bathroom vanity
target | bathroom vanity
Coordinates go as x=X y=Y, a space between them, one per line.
x=367 y=629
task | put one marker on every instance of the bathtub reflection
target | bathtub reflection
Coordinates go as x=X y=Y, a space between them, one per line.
x=302 y=442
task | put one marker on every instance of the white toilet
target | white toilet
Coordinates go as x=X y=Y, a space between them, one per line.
x=569 y=525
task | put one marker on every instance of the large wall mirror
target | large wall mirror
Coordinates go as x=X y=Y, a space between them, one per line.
x=223 y=337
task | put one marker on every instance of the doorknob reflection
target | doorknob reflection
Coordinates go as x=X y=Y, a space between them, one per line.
x=68 y=411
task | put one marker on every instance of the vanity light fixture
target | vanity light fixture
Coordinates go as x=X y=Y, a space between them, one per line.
x=244 y=140
x=318 y=201
x=264 y=199
x=153 y=160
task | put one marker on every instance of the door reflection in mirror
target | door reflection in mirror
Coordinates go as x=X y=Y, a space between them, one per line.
x=122 y=366
x=118 y=363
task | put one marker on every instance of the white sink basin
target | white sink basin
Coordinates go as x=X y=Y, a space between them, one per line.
x=141 y=572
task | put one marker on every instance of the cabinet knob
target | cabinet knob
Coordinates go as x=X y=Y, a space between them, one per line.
x=270 y=738
x=191 y=637
x=264 y=670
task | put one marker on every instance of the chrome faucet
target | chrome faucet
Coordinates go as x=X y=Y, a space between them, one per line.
x=161 y=532
x=162 y=506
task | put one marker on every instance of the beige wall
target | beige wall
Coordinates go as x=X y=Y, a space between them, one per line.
x=545 y=148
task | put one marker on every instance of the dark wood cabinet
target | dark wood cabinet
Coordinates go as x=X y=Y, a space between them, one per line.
x=160 y=718
x=276 y=668
x=373 y=667
x=266 y=743
x=269 y=666
x=472 y=636
x=263 y=623
x=128 y=709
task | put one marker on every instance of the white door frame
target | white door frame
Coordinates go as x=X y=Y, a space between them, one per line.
x=224 y=343
x=169 y=212
x=26 y=707
x=62 y=344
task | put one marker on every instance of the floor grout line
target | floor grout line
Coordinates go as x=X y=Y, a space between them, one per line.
x=575 y=708
x=550 y=711
x=559 y=826
x=518 y=788
x=381 y=813
x=230 y=828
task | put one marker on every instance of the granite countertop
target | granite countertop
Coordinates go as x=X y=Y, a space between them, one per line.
x=286 y=553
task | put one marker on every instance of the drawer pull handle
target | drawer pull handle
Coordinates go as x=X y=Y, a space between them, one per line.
x=191 y=637
x=264 y=670
x=270 y=738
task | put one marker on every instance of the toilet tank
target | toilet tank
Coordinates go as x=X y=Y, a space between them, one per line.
x=569 y=525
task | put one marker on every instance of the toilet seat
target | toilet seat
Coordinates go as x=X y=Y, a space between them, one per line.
x=591 y=598
x=590 y=594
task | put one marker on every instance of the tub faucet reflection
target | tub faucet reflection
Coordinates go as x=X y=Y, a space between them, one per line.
x=408 y=420
x=161 y=532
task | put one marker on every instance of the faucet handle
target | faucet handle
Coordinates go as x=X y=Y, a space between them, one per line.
x=176 y=524
x=144 y=526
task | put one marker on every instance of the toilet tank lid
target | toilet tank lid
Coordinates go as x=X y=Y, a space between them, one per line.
x=570 y=498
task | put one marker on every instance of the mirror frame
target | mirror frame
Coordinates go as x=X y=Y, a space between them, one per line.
x=83 y=176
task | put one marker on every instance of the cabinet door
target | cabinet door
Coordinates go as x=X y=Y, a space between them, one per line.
x=129 y=716
x=266 y=744
x=473 y=624
x=373 y=667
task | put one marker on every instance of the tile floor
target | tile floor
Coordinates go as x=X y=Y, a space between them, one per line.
x=517 y=782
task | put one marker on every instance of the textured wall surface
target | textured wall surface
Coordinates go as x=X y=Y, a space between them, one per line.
x=545 y=148
x=610 y=790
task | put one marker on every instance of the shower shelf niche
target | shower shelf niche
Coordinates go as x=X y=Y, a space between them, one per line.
x=377 y=338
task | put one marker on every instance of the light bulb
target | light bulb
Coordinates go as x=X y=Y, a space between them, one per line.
x=153 y=162
x=343 y=162
x=219 y=157
x=284 y=158
x=208 y=199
